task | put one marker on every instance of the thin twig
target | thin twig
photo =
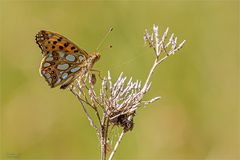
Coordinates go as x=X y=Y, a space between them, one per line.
x=116 y=145
x=88 y=115
x=149 y=76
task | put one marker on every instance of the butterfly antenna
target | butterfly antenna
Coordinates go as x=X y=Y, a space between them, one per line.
x=104 y=38
x=106 y=47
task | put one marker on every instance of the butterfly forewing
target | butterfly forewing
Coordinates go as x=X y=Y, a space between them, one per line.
x=62 y=59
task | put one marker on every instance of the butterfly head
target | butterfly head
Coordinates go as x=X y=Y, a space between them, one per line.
x=94 y=58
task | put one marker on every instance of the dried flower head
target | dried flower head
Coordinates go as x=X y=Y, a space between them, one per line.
x=117 y=102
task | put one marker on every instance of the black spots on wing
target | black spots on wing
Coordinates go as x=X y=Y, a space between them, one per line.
x=61 y=47
x=52 y=63
x=74 y=49
x=42 y=32
x=47 y=52
x=49 y=42
x=53 y=47
x=66 y=44
x=59 y=39
x=55 y=57
x=54 y=42
x=42 y=35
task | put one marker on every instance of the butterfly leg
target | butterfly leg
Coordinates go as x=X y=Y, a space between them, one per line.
x=99 y=73
x=93 y=79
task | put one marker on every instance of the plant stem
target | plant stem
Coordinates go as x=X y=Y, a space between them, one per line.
x=156 y=63
x=86 y=112
x=103 y=136
x=103 y=144
x=116 y=145
x=149 y=75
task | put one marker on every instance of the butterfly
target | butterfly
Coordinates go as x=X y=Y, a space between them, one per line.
x=62 y=61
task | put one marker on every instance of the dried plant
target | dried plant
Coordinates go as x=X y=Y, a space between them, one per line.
x=116 y=103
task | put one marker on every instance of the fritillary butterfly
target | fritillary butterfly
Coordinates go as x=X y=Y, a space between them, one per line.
x=63 y=61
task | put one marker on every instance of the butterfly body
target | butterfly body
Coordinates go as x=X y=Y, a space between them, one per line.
x=63 y=61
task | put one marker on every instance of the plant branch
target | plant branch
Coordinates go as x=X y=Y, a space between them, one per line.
x=116 y=145
x=87 y=114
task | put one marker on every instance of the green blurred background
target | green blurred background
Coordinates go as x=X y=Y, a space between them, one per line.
x=198 y=115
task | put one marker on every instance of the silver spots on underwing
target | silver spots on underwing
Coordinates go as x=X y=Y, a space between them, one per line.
x=47 y=75
x=58 y=81
x=49 y=80
x=75 y=69
x=46 y=64
x=70 y=57
x=61 y=53
x=64 y=75
x=81 y=58
x=63 y=66
x=50 y=57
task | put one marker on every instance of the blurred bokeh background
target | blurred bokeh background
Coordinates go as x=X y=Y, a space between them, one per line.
x=198 y=115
